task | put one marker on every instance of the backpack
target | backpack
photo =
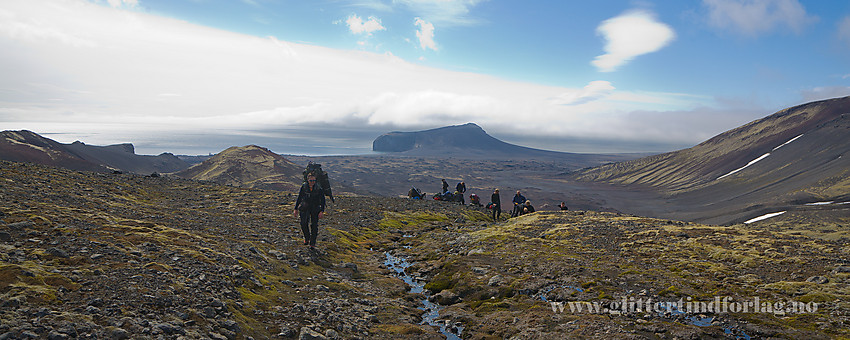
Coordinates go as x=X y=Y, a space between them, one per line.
x=321 y=178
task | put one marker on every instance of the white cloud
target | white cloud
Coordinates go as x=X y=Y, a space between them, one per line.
x=123 y=3
x=425 y=34
x=752 y=18
x=630 y=35
x=592 y=91
x=148 y=73
x=443 y=12
x=357 y=26
x=844 y=30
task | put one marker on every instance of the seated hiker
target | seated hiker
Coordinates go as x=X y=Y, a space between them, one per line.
x=563 y=206
x=518 y=201
x=527 y=208
x=474 y=200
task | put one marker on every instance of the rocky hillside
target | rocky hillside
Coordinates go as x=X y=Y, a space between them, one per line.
x=470 y=141
x=92 y=255
x=806 y=138
x=27 y=146
x=784 y=161
x=248 y=166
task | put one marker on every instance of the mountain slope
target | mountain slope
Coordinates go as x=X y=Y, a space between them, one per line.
x=248 y=166
x=470 y=141
x=27 y=146
x=792 y=157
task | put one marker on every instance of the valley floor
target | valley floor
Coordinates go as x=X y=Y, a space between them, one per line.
x=89 y=255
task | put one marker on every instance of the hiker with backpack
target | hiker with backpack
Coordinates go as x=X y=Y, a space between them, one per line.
x=310 y=205
x=445 y=186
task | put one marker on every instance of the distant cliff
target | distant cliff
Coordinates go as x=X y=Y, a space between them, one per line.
x=471 y=141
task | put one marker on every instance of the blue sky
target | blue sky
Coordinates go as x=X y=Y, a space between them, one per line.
x=582 y=76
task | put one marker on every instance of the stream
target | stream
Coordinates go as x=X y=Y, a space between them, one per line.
x=432 y=310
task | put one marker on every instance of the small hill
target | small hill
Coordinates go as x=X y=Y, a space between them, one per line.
x=470 y=141
x=792 y=157
x=28 y=146
x=248 y=166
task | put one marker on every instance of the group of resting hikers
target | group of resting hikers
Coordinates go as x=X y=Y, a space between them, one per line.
x=310 y=204
x=521 y=205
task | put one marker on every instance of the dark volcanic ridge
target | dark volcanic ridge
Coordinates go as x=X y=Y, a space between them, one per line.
x=27 y=146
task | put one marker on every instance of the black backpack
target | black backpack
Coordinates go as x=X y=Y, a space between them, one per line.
x=321 y=178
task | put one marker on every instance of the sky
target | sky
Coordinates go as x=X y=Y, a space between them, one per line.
x=325 y=77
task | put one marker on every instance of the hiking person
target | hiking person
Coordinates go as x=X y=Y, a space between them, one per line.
x=445 y=186
x=518 y=201
x=563 y=206
x=527 y=208
x=311 y=207
x=460 y=188
x=497 y=205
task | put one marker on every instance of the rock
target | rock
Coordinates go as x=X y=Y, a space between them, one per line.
x=230 y=325
x=496 y=280
x=56 y=252
x=818 y=279
x=286 y=332
x=97 y=302
x=216 y=336
x=445 y=298
x=209 y=312
x=56 y=336
x=323 y=288
x=119 y=334
x=350 y=265
x=309 y=334
x=278 y=254
x=842 y=269
x=19 y=225
x=5 y=236
x=168 y=328
x=475 y=251
x=479 y=270
x=331 y=334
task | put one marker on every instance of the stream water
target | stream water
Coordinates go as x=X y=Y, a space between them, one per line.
x=432 y=310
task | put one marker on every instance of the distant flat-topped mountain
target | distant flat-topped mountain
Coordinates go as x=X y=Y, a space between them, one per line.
x=27 y=146
x=790 y=158
x=248 y=166
x=471 y=141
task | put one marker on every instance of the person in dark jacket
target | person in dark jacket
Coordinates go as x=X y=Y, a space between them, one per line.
x=563 y=206
x=311 y=207
x=518 y=201
x=461 y=187
x=497 y=205
x=445 y=186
